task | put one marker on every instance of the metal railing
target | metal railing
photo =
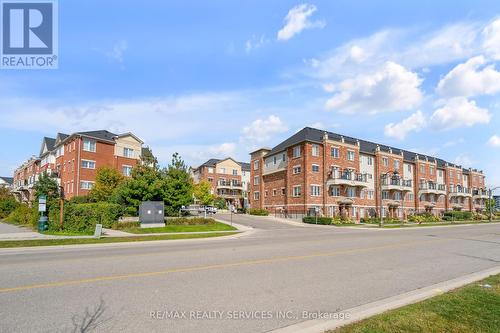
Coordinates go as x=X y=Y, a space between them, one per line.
x=349 y=175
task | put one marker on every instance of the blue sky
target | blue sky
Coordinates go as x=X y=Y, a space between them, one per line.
x=219 y=78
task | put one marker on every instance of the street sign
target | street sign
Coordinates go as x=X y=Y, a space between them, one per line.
x=42 y=203
x=98 y=231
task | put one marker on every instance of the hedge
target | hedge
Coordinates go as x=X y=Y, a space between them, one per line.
x=457 y=215
x=84 y=217
x=190 y=221
x=258 y=212
x=320 y=220
x=22 y=215
x=7 y=206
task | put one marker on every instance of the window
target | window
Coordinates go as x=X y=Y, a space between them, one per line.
x=315 y=150
x=256 y=165
x=283 y=157
x=128 y=152
x=210 y=179
x=351 y=192
x=350 y=155
x=369 y=160
x=296 y=169
x=274 y=160
x=315 y=190
x=87 y=164
x=235 y=172
x=265 y=193
x=370 y=194
x=385 y=161
x=422 y=168
x=283 y=191
x=409 y=167
x=451 y=174
x=440 y=173
x=385 y=194
x=335 y=191
x=396 y=164
x=274 y=192
x=296 y=151
x=86 y=185
x=315 y=168
x=256 y=180
x=222 y=171
x=127 y=170
x=409 y=197
x=89 y=145
x=256 y=195
x=210 y=170
x=335 y=152
x=458 y=176
x=431 y=170
x=397 y=195
x=297 y=191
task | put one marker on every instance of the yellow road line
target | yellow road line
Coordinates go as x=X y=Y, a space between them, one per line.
x=215 y=266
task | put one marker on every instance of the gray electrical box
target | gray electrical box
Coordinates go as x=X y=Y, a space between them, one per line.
x=152 y=214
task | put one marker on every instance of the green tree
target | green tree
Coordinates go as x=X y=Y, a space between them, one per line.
x=202 y=192
x=148 y=159
x=7 y=202
x=178 y=190
x=220 y=203
x=146 y=183
x=106 y=181
x=47 y=186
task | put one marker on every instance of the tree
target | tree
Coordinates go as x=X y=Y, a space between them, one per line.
x=7 y=203
x=220 y=203
x=202 y=192
x=106 y=181
x=148 y=159
x=47 y=186
x=178 y=189
x=146 y=183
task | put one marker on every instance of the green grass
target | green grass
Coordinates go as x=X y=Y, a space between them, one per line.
x=74 y=241
x=67 y=233
x=432 y=224
x=468 y=309
x=182 y=228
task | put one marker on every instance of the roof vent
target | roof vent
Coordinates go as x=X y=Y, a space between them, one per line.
x=390 y=150
x=378 y=148
x=325 y=136
x=342 y=138
x=358 y=143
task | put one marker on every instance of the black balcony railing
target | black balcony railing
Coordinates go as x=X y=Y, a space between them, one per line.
x=432 y=186
x=397 y=182
x=349 y=175
x=229 y=183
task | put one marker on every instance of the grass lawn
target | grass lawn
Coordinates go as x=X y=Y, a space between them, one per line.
x=67 y=233
x=468 y=309
x=73 y=241
x=182 y=228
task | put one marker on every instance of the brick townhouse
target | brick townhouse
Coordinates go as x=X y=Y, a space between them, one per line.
x=337 y=175
x=74 y=159
x=230 y=179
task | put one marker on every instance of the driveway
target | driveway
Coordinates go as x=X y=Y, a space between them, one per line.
x=6 y=228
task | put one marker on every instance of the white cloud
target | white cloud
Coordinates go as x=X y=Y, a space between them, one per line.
x=494 y=141
x=463 y=160
x=118 y=51
x=471 y=78
x=491 y=43
x=255 y=43
x=459 y=112
x=297 y=20
x=261 y=130
x=392 y=88
x=400 y=130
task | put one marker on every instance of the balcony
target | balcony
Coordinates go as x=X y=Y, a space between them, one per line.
x=480 y=194
x=347 y=178
x=397 y=184
x=230 y=185
x=432 y=188
x=460 y=192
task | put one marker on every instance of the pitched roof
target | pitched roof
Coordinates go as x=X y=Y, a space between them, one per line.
x=213 y=161
x=101 y=135
x=8 y=180
x=49 y=143
x=368 y=147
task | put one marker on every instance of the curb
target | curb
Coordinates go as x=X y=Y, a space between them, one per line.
x=370 y=309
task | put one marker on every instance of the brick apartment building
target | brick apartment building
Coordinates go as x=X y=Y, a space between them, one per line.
x=230 y=179
x=74 y=160
x=315 y=170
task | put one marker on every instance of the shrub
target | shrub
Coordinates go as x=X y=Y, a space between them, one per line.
x=80 y=199
x=258 y=212
x=7 y=206
x=241 y=210
x=125 y=225
x=320 y=220
x=457 y=215
x=130 y=211
x=84 y=217
x=21 y=215
x=190 y=221
x=423 y=217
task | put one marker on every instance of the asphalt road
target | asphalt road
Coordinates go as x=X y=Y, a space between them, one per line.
x=254 y=283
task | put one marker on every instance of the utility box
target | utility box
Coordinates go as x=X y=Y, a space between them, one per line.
x=152 y=214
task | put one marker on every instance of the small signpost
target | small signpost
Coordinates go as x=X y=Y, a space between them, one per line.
x=98 y=231
x=43 y=222
x=42 y=204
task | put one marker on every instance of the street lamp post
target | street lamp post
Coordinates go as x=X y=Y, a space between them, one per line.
x=489 y=201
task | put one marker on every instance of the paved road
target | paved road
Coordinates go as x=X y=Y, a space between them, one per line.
x=6 y=228
x=278 y=268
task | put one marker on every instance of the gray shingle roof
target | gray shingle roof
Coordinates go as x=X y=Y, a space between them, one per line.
x=213 y=161
x=368 y=147
x=8 y=180
x=102 y=135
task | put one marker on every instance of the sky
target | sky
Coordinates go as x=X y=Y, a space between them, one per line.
x=222 y=78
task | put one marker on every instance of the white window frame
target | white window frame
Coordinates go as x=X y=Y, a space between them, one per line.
x=88 y=163
x=87 y=182
x=315 y=190
x=312 y=167
x=336 y=150
x=92 y=145
x=315 y=150
x=296 y=191
x=256 y=165
x=129 y=154
x=351 y=155
x=297 y=151
x=256 y=180
x=256 y=195
x=124 y=166
x=295 y=168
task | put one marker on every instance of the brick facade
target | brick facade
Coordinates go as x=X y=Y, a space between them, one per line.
x=335 y=175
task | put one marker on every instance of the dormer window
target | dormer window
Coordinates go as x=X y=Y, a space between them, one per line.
x=128 y=152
